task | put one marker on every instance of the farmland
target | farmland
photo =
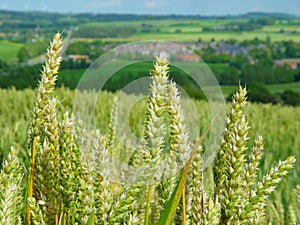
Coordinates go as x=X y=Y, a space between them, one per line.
x=192 y=30
x=279 y=125
x=229 y=45
x=273 y=122
x=205 y=36
x=70 y=178
x=9 y=50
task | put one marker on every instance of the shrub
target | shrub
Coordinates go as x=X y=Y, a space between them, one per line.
x=290 y=98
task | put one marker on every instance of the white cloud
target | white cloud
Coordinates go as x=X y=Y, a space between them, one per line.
x=154 y=4
x=105 y=4
x=5 y=7
x=45 y=8
x=151 y=4
x=26 y=7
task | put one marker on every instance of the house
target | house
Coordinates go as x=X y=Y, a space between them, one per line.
x=76 y=58
x=188 y=57
x=233 y=50
x=293 y=63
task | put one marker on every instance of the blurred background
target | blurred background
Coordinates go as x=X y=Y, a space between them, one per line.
x=252 y=41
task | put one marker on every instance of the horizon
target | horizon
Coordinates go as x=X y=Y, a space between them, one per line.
x=151 y=14
x=154 y=7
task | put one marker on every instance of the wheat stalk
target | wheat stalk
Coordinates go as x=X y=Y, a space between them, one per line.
x=38 y=132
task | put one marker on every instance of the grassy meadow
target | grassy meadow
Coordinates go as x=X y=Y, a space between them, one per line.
x=205 y=36
x=9 y=50
x=191 y=30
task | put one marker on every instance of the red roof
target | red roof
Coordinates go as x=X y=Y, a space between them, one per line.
x=188 y=57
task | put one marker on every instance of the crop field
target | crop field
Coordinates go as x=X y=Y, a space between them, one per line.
x=275 y=123
x=157 y=153
x=58 y=168
x=192 y=30
x=9 y=50
x=205 y=36
x=164 y=24
x=279 y=125
x=281 y=28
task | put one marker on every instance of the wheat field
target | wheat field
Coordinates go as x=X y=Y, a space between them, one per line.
x=55 y=171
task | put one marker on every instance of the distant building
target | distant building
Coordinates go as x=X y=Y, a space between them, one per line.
x=75 y=58
x=188 y=57
x=233 y=50
x=294 y=63
x=218 y=28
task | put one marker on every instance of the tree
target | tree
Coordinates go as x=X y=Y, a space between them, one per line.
x=229 y=76
x=258 y=92
x=239 y=61
x=23 y=54
x=292 y=49
x=290 y=98
x=262 y=55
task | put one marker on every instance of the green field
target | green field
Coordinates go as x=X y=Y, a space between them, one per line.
x=9 y=50
x=273 y=88
x=163 y=24
x=192 y=30
x=277 y=88
x=279 y=27
x=206 y=36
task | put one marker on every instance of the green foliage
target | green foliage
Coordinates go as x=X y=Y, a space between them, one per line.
x=267 y=74
x=258 y=92
x=92 y=49
x=31 y=50
x=229 y=69
x=290 y=97
x=138 y=70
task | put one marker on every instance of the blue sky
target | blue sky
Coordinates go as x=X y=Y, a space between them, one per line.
x=202 y=7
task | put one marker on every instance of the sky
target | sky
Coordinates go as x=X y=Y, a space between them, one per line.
x=180 y=7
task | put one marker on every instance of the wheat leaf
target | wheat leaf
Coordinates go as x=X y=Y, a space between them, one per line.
x=148 y=203
x=167 y=215
x=91 y=220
